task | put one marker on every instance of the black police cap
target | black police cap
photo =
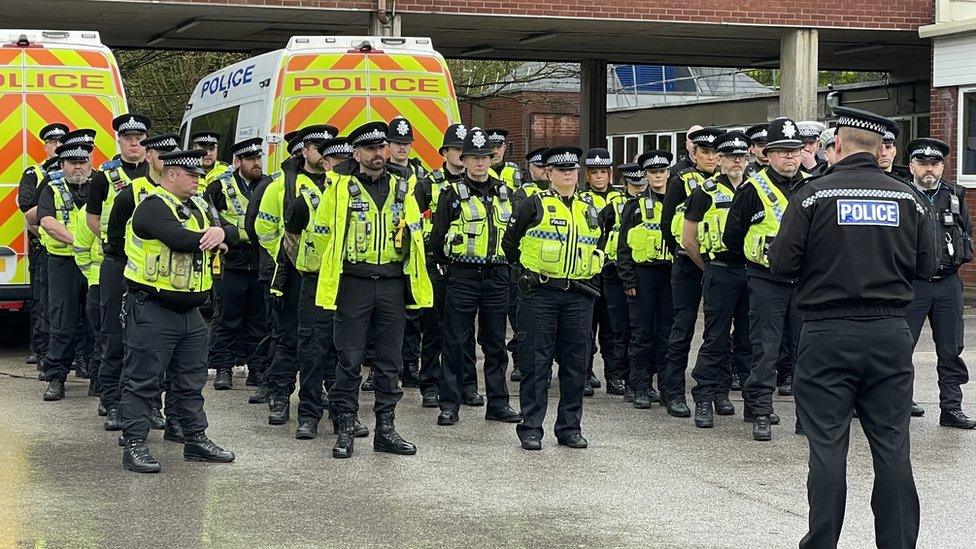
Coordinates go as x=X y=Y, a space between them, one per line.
x=165 y=142
x=563 y=157
x=84 y=135
x=454 y=137
x=248 y=148
x=475 y=143
x=56 y=130
x=598 y=158
x=497 y=135
x=401 y=131
x=190 y=160
x=783 y=133
x=317 y=133
x=632 y=173
x=535 y=156
x=655 y=159
x=78 y=152
x=848 y=117
x=705 y=137
x=733 y=142
x=927 y=148
x=207 y=138
x=370 y=134
x=131 y=123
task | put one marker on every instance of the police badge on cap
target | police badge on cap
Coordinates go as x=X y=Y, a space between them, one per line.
x=565 y=158
x=475 y=143
x=191 y=160
x=205 y=138
x=164 y=143
x=370 y=134
x=732 y=143
x=655 y=159
x=497 y=136
x=53 y=132
x=79 y=136
x=131 y=123
x=248 y=148
x=535 y=157
x=705 y=137
x=75 y=152
x=810 y=130
x=598 y=158
x=927 y=148
x=783 y=133
x=757 y=134
x=317 y=133
x=401 y=131
x=632 y=173
x=454 y=137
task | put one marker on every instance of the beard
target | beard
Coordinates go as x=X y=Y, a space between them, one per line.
x=77 y=178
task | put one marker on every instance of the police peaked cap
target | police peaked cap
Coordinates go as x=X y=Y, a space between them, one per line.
x=317 y=133
x=294 y=142
x=810 y=130
x=927 y=148
x=370 y=134
x=131 y=123
x=205 y=138
x=563 y=157
x=84 y=135
x=75 y=151
x=165 y=143
x=475 y=143
x=338 y=146
x=757 y=133
x=248 y=148
x=632 y=173
x=848 y=117
x=53 y=131
x=598 y=157
x=535 y=156
x=733 y=142
x=655 y=159
x=705 y=137
x=497 y=135
x=190 y=160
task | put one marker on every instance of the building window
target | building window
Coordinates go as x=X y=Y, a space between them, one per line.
x=967 y=135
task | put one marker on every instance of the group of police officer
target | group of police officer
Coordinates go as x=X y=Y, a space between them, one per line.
x=804 y=263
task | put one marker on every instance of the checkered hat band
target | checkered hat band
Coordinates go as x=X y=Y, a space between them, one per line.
x=184 y=162
x=162 y=143
x=494 y=136
x=322 y=136
x=75 y=153
x=707 y=139
x=79 y=139
x=132 y=125
x=889 y=136
x=876 y=127
x=598 y=162
x=298 y=146
x=51 y=134
x=759 y=135
x=633 y=175
x=537 y=159
x=656 y=161
x=342 y=148
x=927 y=151
x=208 y=139
x=809 y=133
x=564 y=158
x=370 y=136
x=248 y=149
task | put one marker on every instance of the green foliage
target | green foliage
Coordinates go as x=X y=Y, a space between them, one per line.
x=771 y=77
x=158 y=83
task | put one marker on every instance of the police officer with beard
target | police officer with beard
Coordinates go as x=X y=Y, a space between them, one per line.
x=855 y=239
x=939 y=297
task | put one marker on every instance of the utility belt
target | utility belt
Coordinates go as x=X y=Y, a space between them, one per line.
x=528 y=281
x=725 y=264
x=483 y=272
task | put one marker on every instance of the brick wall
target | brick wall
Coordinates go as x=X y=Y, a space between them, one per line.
x=555 y=115
x=874 y=14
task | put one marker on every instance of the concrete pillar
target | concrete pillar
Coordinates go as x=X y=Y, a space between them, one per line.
x=798 y=60
x=377 y=27
x=593 y=103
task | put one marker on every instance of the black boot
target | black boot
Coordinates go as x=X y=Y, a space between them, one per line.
x=261 y=396
x=81 y=368
x=55 y=390
x=615 y=387
x=280 y=410
x=173 y=431
x=358 y=429
x=136 y=457
x=307 y=429
x=703 y=415
x=345 y=441
x=156 y=420
x=761 y=429
x=736 y=383
x=593 y=381
x=200 y=448
x=254 y=378
x=102 y=412
x=724 y=406
x=112 y=420
x=917 y=411
x=32 y=359
x=587 y=390
x=430 y=400
x=628 y=393
x=368 y=384
x=678 y=408
x=224 y=379
x=410 y=376
x=386 y=439
x=786 y=388
x=956 y=419
x=642 y=399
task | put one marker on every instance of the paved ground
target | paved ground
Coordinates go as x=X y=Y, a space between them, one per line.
x=647 y=480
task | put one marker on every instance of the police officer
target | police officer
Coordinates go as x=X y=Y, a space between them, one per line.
x=316 y=350
x=372 y=270
x=686 y=158
x=644 y=266
x=286 y=284
x=615 y=364
x=598 y=166
x=239 y=316
x=752 y=223
x=856 y=239
x=471 y=218
x=500 y=169
x=887 y=159
x=60 y=210
x=827 y=140
x=810 y=158
x=401 y=145
x=27 y=196
x=87 y=250
x=725 y=299
x=686 y=277
x=169 y=245
x=939 y=298
x=208 y=142
x=757 y=140
x=553 y=236
x=535 y=182
x=112 y=287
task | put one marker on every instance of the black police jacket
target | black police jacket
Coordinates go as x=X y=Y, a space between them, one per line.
x=855 y=239
x=951 y=224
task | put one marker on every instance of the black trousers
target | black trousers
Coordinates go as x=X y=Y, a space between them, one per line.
x=111 y=283
x=260 y=362
x=468 y=299
x=941 y=302
x=365 y=304
x=163 y=342
x=725 y=301
x=412 y=336
x=66 y=305
x=551 y=319
x=863 y=365
x=284 y=367
x=602 y=334
x=772 y=319
x=431 y=357
x=93 y=316
x=39 y=329
x=686 y=290
x=616 y=365
x=513 y=345
x=316 y=351
x=240 y=319
x=651 y=318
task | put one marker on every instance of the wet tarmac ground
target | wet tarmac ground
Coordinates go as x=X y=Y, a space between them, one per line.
x=647 y=480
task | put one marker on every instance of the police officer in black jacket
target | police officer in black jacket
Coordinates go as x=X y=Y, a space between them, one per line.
x=939 y=298
x=856 y=239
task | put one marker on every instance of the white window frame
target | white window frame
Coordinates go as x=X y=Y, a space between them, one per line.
x=640 y=141
x=964 y=180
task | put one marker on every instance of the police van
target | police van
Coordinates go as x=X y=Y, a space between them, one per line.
x=47 y=76
x=344 y=81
